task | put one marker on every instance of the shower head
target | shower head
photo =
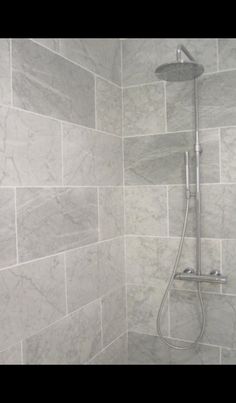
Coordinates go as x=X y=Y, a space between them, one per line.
x=179 y=71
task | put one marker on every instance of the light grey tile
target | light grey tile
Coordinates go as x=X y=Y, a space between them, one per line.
x=92 y=271
x=11 y=356
x=220 y=312
x=32 y=296
x=7 y=228
x=146 y=210
x=51 y=43
x=146 y=349
x=30 y=149
x=160 y=159
x=227 y=53
x=5 y=74
x=113 y=315
x=91 y=158
x=144 y=110
x=228 y=265
x=56 y=219
x=111 y=212
x=228 y=151
x=108 y=107
x=115 y=354
x=218 y=214
x=228 y=357
x=46 y=83
x=141 y=57
x=73 y=340
x=102 y=56
x=143 y=303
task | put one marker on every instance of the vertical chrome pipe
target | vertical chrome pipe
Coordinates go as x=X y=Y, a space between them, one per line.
x=197 y=148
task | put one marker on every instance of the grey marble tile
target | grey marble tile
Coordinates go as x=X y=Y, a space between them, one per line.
x=108 y=107
x=111 y=212
x=146 y=349
x=115 y=354
x=91 y=158
x=228 y=357
x=51 y=43
x=218 y=213
x=228 y=265
x=141 y=57
x=144 y=110
x=30 y=149
x=7 y=228
x=227 y=53
x=228 y=150
x=113 y=315
x=32 y=296
x=220 y=317
x=143 y=303
x=102 y=56
x=56 y=219
x=160 y=159
x=46 y=83
x=146 y=210
x=92 y=271
x=5 y=74
x=11 y=356
x=72 y=340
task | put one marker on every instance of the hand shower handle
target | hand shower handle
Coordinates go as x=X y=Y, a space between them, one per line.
x=187 y=174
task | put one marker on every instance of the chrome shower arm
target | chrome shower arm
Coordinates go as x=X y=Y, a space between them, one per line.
x=182 y=48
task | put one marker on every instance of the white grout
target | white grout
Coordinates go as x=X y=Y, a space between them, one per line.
x=106 y=347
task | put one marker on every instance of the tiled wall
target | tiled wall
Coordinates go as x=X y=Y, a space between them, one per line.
x=158 y=122
x=62 y=278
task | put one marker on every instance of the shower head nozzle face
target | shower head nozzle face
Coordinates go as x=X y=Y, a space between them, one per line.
x=179 y=71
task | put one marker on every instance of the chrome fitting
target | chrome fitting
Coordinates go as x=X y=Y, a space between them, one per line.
x=198 y=148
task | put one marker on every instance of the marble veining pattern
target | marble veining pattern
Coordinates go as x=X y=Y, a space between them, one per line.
x=227 y=53
x=7 y=228
x=115 y=354
x=5 y=75
x=111 y=212
x=51 y=43
x=228 y=152
x=11 y=356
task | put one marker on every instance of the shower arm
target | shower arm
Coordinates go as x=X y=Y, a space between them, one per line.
x=179 y=50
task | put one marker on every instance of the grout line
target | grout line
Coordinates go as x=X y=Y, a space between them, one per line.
x=11 y=81
x=105 y=348
x=217 y=55
x=16 y=229
x=62 y=155
x=66 y=287
x=177 y=237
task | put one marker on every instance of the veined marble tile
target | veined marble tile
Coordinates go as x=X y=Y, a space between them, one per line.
x=113 y=315
x=51 y=43
x=144 y=110
x=228 y=357
x=218 y=211
x=114 y=354
x=220 y=317
x=141 y=57
x=30 y=149
x=11 y=356
x=146 y=210
x=102 y=56
x=227 y=53
x=161 y=159
x=93 y=270
x=228 y=152
x=91 y=158
x=143 y=303
x=228 y=265
x=56 y=219
x=111 y=212
x=146 y=349
x=46 y=83
x=31 y=297
x=5 y=74
x=108 y=107
x=7 y=228
x=73 y=340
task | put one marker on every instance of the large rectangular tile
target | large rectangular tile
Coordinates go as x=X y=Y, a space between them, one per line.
x=115 y=354
x=30 y=149
x=102 y=56
x=56 y=219
x=218 y=216
x=7 y=228
x=5 y=72
x=161 y=159
x=91 y=158
x=146 y=210
x=73 y=340
x=111 y=212
x=93 y=270
x=228 y=152
x=227 y=53
x=11 y=356
x=144 y=110
x=141 y=57
x=32 y=296
x=228 y=265
x=145 y=349
x=108 y=107
x=46 y=83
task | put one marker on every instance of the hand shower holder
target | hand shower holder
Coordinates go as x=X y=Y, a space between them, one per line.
x=215 y=277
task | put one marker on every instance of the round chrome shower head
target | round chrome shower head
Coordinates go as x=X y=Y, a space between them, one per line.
x=179 y=71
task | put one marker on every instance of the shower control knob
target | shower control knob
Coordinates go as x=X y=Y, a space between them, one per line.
x=188 y=270
x=215 y=273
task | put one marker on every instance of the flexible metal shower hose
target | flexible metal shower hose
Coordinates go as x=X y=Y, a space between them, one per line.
x=158 y=322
